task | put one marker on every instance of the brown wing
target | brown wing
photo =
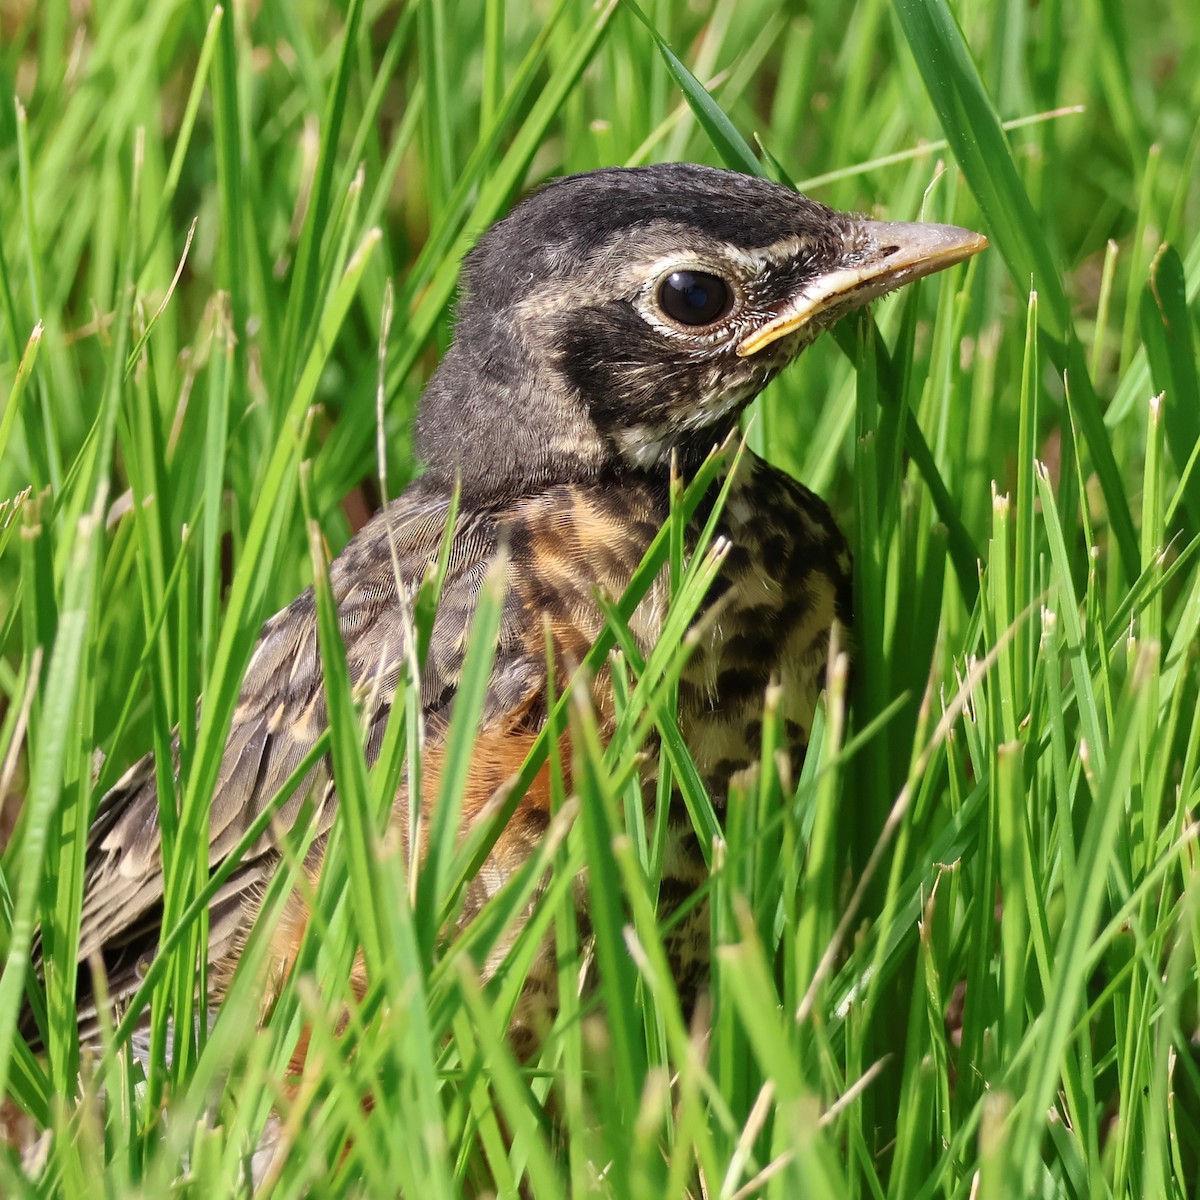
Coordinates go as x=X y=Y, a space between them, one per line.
x=561 y=544
x=280 y=713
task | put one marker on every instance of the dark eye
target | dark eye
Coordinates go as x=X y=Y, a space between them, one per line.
x=694 y=298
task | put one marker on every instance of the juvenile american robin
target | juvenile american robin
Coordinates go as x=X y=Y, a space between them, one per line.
x=614 y=322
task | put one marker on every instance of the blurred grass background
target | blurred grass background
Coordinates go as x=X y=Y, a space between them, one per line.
x=959 y=956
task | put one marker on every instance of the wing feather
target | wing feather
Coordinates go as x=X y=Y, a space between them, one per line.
x=555 y=561
x=279 y=715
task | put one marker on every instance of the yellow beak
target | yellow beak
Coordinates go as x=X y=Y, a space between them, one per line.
x=891 y=254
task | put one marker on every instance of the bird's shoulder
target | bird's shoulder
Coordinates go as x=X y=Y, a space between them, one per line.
x=556 y=546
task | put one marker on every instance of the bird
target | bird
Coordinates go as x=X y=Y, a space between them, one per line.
x=609 y=331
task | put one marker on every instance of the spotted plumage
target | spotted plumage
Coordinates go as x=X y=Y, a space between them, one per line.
x=613 y=327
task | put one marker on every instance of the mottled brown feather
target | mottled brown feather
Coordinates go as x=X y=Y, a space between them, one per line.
x=281 y=710
x=784 y=581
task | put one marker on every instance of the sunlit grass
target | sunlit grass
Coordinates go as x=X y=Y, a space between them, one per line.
x=958 y=955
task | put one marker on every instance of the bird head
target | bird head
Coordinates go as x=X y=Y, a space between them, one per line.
x=619 y=316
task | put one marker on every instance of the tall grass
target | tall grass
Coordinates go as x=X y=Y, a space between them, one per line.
x=958 y=955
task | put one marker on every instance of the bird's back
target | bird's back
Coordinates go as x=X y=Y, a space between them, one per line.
x=784 y=579
x=558 y=547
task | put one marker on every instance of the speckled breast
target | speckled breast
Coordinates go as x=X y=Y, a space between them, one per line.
x=786 y=579
x=767 y=618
